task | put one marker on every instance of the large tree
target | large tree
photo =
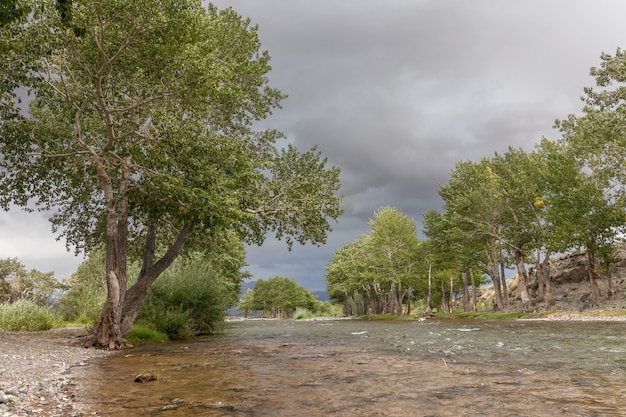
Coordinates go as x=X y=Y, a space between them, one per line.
x=597 y=139
x=139 y=134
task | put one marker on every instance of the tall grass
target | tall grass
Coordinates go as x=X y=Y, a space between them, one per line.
x=26 y=315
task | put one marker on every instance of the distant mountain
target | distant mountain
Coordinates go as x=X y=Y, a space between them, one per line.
x=321 y=295
x=245 y=286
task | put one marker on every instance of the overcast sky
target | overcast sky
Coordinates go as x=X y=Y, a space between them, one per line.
x=395 y=92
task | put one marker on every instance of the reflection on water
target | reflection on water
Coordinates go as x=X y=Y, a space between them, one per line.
x=359 y=368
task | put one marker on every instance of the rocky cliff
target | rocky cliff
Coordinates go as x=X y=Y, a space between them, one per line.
x=570 y=284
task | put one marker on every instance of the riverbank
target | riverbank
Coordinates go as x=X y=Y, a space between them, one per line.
x=34 y=372
x=35 y=367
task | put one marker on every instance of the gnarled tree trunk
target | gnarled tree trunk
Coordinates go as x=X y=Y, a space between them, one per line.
x=150 y=271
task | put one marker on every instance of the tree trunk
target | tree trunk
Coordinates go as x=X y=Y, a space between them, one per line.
x=505 y=290
x=474 y=291
x=444 y=299
x=611 y=288
x=545 y=266
x=451 y=299
x=495 y=278
x=107 y=334
x=522 y=276
x=540 y=281
x=409 y=295
x=594 y=295
x=398 y=300
x=429 y=296
x=136 y=295
x=466 y=302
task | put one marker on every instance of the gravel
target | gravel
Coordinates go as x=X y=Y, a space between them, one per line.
x=35 y=372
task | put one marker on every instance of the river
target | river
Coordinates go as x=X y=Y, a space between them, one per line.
x=370 y=368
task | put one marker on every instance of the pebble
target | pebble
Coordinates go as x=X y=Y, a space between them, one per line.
x=35 y=374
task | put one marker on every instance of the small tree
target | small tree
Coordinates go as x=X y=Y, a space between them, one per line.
x=246 y=302
x=17 y=283
x=376 y=272
x=87 y=290
x=280 y=297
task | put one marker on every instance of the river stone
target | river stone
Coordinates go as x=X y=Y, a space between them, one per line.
x=145 y=377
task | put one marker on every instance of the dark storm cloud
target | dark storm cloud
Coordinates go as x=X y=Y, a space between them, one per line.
x=396 y=92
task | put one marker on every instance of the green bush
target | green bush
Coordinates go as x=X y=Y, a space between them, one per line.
x=26 y=315
x=189 y=298
x=302 y=313
x=83 y=302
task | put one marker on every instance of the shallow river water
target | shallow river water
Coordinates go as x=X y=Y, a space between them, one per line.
x=359 y=368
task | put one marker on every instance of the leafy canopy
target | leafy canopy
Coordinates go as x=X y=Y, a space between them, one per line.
x=146 y=108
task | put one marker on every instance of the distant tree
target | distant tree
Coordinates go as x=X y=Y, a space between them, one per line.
x=87 y=289
x=393 y=255
x=279 y=297
x=18 y=283
x=345 y=272
x=468 y=234
x=378 y=271
x=139 y=135
x=246 y=302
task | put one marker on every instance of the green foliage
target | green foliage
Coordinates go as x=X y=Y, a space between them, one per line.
x=17 y=283
x=280 y=297
x=139 y=133
x=392 y=248
x=191 y=297
x=26 y=315
x=381 y=266
x=246 y=302
x=153 y=104
x=302 y=314
x=87 y=290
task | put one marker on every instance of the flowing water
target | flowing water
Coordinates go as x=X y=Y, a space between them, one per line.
x=360 y=368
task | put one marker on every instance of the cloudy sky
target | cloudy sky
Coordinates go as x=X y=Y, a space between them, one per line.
x=396 y=92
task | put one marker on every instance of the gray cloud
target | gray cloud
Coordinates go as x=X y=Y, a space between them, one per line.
x=396 y=92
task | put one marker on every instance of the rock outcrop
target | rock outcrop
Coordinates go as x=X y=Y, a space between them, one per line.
x=570 y=284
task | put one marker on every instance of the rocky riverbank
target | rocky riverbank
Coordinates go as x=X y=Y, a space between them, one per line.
x=34 y=372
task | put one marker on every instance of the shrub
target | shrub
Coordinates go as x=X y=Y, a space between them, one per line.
x=302 y=313
x=189 y=298
x=83 y=301
x=26 y=315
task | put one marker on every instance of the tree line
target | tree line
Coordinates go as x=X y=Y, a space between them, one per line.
x=508 y=210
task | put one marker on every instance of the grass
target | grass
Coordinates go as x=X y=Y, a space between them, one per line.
x=141 y=334
x=27 y=316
